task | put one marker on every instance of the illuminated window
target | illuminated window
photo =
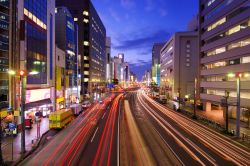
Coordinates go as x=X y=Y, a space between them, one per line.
x=85 y=58
x=86 y=43
x=214 y=25
x=86 y=13
x=234 y=30
x=86 y=79
x=216 y=51
x=30 y=15
x=85 y=20
x=75 y=19
x=245 y=42
x=245 y=59
x=26 y=12
x=86 y=65
x=86 y=72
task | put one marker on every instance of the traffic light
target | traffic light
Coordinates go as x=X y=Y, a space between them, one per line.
x=22 y=72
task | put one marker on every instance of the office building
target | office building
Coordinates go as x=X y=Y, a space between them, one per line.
x=36 y=20
x=4 y=53
x=156 y=62
x=179 y=65
x=66 y=40
x=91 y=44
x=60 y=78
x=108 y=60
x=146 y=78
x=225 y=50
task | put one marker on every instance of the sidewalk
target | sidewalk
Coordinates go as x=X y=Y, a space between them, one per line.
x=30 y=134
x=217 y=116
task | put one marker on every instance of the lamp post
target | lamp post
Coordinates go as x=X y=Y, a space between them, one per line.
x=23 y=74
x=238 y=79
x=226 y=105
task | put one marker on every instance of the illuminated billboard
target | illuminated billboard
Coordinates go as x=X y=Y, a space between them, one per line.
x=37 y=95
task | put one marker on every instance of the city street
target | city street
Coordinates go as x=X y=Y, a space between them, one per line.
x=134 y=129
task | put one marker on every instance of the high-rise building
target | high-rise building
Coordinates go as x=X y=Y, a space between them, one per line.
x=179 y=65
x=108 y=60
x=120 y=70
x=36 y=20
x=146 y=78
x=156 y=52
x=91 y=44
x=4 y=53
x=66 y=40
x=225 y=50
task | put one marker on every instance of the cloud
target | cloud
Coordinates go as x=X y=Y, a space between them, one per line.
x=128 y=4
x=114 y=15
x=140 y=68
x=143 y=41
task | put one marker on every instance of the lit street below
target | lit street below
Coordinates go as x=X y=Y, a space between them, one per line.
x=133 y=129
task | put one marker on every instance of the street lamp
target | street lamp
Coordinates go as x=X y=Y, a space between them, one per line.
x=238 y=78
x=23 y=74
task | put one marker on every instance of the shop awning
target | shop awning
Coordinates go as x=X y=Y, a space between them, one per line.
x=37 y=104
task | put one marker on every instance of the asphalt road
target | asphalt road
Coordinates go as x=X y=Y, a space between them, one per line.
x=191 y=143
x=102 y=148
x=136 y=130
x=66 y=147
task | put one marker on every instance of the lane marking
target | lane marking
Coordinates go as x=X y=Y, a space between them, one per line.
x=103 y=115
x=94 y=134
x=118 y=137
x=178 y=158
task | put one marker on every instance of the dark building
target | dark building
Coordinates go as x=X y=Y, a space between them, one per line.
x=91 y=43
x=66 y=40
x=4 y=52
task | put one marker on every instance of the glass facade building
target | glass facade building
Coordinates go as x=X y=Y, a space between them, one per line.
x=67 y=41
x=4 y=51
x=35 y=13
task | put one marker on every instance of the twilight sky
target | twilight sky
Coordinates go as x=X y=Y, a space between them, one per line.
x=134 y=25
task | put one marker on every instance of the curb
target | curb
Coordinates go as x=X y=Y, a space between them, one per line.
x=27 y=154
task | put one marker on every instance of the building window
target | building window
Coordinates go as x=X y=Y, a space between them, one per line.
x=188 y=64
x=75 y=19
x=188 y=60
x=86 y=43
x=188 y=55
x=245 y=59
x=85 y=20
x=216 y=51
x=234 y=30
x=216 y=24
x=85 y=13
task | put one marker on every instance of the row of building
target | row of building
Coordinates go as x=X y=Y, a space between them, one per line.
x=205 y=61
x=62 y=48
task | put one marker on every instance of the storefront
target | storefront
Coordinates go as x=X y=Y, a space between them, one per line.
x=38 y=100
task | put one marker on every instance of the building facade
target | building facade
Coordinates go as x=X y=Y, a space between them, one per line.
x=225 y=48
x=179 y=65
x=67 y=41
x=91 y=44
x=156 y=52
x=36 y=22
x=108 y=60
x=4 y=53
x=60 y=78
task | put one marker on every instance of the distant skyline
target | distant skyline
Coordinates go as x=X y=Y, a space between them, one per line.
x=135 y=25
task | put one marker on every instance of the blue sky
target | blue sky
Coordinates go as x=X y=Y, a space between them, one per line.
x=134 y=25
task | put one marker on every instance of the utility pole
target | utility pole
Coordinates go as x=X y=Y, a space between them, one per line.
x=195 y=92
x=23 y=85
x=238 y=108
x=226 y=105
